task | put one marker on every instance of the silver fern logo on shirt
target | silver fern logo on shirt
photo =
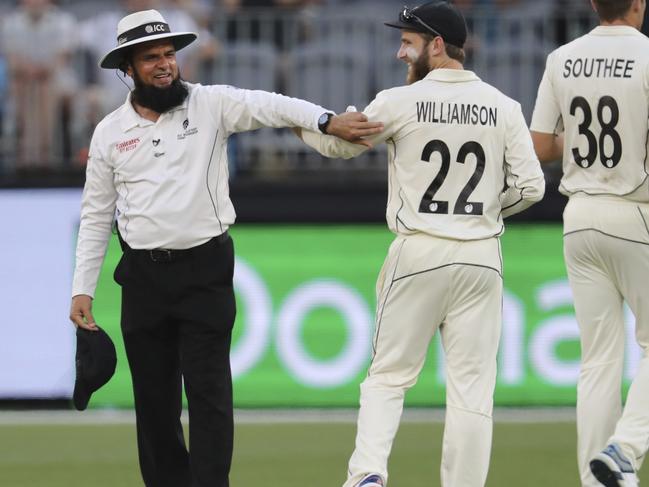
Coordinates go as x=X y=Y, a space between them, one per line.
x=186 y=130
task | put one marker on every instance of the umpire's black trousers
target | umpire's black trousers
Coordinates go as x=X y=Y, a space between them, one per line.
x=178 y=310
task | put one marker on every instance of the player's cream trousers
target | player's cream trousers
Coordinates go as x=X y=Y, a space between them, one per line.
x=606 y=249
x=429 y=284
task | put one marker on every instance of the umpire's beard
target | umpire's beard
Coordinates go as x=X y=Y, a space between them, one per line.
x=160 y=100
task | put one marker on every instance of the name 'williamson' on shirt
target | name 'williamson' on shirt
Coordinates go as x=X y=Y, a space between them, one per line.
x=456 y=113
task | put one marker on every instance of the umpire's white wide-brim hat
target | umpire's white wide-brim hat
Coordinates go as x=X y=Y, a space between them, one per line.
x=139 y=27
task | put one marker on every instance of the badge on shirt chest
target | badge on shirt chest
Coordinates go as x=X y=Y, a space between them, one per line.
x=186 y=130
x=127 y=145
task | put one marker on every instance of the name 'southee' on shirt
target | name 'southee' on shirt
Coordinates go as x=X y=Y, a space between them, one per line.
x=598 y=68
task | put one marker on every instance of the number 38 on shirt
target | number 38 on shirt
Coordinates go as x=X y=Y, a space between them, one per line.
x=608 y=116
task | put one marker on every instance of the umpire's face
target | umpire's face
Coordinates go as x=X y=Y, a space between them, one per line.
x=154 y=63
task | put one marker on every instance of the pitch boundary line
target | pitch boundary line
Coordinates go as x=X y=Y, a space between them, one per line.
x=278 y=416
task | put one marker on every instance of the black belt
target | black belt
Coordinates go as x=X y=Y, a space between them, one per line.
x=169 y=255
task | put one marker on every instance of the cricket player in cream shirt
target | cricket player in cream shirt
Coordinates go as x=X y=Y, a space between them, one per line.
x=460 y=159
x=592 y=113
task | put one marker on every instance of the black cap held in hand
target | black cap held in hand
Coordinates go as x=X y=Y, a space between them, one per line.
x=95 y=364
x=437 y=18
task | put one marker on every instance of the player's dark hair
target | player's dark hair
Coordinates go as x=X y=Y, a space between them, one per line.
x=456 y=53
x=452 y=51
x=610 y=10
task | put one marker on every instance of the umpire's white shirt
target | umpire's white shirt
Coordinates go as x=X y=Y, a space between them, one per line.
x=453 y=141
x=168 y=180
x=597 y=87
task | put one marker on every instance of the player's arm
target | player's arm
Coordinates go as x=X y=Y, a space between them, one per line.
x=243 y=110
x=523 y=174
x=353 y=127
x=97 y=213
x=547 y=121
x=548 y=147
x=382 y=130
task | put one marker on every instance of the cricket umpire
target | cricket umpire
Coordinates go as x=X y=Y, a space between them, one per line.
x=453 y=141
x=159 y=161
x=591 y=111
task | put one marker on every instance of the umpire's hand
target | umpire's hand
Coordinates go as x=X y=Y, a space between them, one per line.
x=354 y=127
x=81 y=312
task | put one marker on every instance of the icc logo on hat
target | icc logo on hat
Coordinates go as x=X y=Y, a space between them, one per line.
x=151 y=28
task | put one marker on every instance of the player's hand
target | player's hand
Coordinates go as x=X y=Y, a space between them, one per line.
x=81 y=312
x=354 y=127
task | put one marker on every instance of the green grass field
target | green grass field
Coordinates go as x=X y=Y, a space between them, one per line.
x=283 y=455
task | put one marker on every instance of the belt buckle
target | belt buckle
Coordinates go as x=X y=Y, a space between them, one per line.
x=160 y=255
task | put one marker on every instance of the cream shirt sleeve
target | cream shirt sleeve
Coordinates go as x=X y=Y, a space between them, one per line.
x=523 y=174
x=241 y=110
x=547 y=117
x=97 y=213
x=330 y=146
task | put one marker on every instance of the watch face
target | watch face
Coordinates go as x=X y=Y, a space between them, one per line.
x=323 y=119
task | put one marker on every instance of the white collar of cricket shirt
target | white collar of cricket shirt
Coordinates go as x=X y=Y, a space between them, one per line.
x=615 y=30
x=452 y=75
x=129 y=118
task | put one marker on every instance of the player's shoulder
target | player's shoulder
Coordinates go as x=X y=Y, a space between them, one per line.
x=601 y=45
x=557 y=56
x=591 y=41
x=578 y=44
x=396 y=92
x=479 y=90
x=489 y=93
x=483 y=86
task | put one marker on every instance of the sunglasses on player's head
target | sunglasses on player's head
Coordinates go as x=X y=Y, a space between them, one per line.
x=408 y=16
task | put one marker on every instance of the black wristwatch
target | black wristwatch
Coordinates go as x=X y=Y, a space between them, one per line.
x=323 y=121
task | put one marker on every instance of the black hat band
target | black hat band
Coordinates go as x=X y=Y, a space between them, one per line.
x=141 y=31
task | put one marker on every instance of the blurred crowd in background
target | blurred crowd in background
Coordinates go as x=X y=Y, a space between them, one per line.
x=332 y=52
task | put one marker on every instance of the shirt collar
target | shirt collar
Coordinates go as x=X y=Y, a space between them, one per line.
x=129 y=118
x=452 y=75
x=615 y=30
